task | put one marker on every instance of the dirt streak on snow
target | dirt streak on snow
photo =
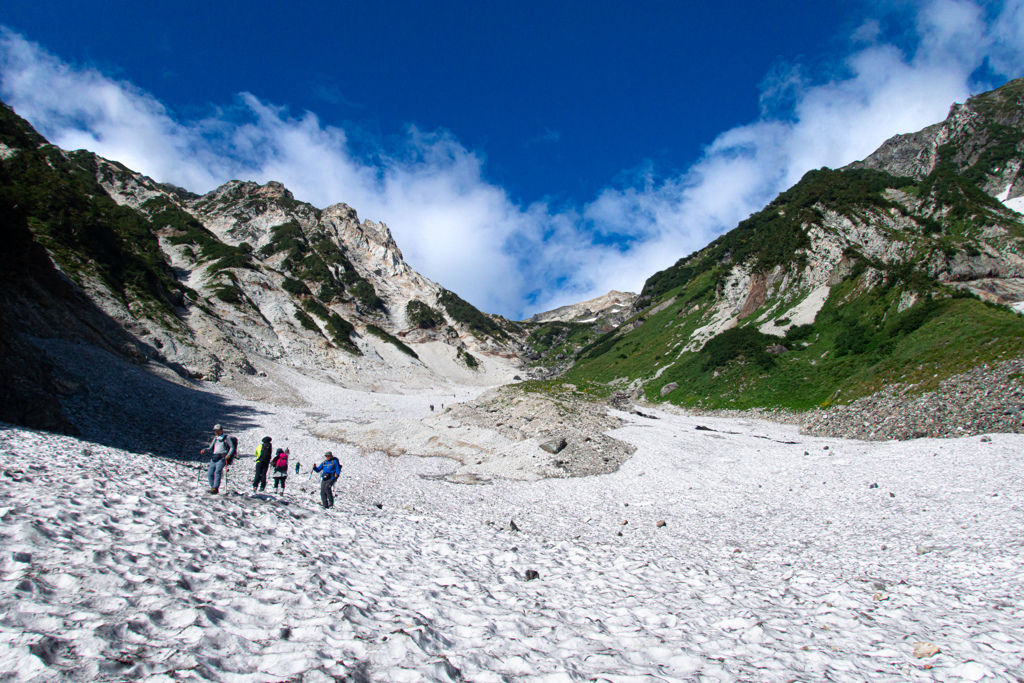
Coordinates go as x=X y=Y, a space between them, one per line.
x=777 y=561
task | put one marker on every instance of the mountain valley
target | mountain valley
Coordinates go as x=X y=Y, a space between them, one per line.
x=896 y=274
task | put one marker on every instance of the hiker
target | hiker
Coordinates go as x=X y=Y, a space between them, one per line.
x=431 y=407
x=263 y=453
x=222 y=450
x=330 y=470
x=280 y=469
x=297 y=466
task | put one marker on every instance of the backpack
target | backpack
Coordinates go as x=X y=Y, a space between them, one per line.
x=232 y=451
x=264 y=454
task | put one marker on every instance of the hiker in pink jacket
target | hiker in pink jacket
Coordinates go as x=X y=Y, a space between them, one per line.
x=280 y=465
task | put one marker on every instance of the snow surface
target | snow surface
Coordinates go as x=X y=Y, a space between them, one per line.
x=803 y=313
x=777 y=561
x=1017 y=204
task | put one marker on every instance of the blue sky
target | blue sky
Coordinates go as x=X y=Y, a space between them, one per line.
x=524 y=154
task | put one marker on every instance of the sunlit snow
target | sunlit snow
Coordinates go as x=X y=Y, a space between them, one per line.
x=779 y=560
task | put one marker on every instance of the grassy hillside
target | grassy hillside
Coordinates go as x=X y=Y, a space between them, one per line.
x=848 y=352
x=886 y=320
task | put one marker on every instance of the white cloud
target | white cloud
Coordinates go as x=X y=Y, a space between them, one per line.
x=868 y=32
x=465 y=232
x=1007 y=37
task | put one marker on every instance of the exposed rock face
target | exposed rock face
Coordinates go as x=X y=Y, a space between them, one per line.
x=612 y=306
x=755 y=296
x=268 y=321
x=911 y=154
x=968 y=129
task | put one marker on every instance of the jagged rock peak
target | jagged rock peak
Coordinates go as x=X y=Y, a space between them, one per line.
x=911 y=155
x=915 y=155
x=240 y=189
x=342 y=211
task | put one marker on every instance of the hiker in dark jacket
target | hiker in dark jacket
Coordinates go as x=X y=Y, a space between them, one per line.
x=280 y=469
x=330 y=470
x=263 y=454
x=222 y=451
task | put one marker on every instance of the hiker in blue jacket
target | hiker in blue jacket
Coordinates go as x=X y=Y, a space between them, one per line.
x=222 y=450
x=330 y=470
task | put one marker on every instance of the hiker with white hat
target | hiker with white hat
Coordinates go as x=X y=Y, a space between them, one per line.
x=222 y=450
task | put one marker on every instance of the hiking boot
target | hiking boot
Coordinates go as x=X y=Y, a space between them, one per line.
x=212 y=491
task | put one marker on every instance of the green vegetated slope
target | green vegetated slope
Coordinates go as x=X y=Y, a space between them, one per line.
x=886 y=320
x=853 y=348
x=553 y=339
x=480 y=324
x=86 y=232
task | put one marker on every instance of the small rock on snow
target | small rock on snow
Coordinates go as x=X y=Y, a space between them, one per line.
x=554 y=446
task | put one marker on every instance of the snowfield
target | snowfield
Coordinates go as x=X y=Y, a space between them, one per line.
x=778 y=561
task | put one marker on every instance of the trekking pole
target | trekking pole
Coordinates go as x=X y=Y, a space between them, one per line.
x=199 y=473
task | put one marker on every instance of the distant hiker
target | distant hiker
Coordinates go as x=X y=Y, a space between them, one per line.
x=264 y=452
x=222 y=450
x=431 y=407
x=330 y=470
x=280 y=469
x=297 y=467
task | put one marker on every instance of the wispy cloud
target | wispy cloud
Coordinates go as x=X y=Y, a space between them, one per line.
x=547 y=136
x=458 y=228
x=868 y=32
x=333 y=95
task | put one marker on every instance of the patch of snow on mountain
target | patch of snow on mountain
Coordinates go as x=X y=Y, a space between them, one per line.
x=803 y=313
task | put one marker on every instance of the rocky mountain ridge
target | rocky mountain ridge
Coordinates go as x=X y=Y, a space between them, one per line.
x=612 y=309
x=213 y=287
x=291 y=259
x=901 y=270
